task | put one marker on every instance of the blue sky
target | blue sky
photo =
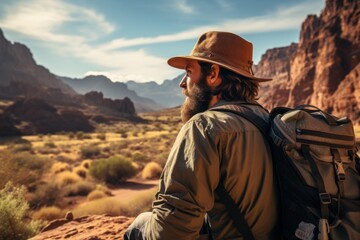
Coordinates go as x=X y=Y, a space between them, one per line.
x=132 y=39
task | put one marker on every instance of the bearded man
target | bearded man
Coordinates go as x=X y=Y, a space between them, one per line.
x=215 y=148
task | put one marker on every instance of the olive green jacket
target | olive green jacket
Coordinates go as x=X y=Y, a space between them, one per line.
x=211 y=146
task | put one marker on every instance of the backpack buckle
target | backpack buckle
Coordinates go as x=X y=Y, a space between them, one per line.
x=325 y=198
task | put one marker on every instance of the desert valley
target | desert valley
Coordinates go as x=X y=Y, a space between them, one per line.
x=80 y=154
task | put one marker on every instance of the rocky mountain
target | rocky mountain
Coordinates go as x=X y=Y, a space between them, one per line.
x=167 y=94
x=33 y=116
x=38 y=102
x=20 y=75
x=323 y=69
x=114 y=90
x=275 y=64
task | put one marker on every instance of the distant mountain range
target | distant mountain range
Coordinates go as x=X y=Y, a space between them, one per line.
x=147 y=96
x=168 y=94
x=114 y=90
x=39 y=102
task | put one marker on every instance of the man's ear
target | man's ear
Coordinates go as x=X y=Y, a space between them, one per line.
x=213 y=78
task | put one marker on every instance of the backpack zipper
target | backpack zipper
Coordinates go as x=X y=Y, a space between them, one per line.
x=324 y=134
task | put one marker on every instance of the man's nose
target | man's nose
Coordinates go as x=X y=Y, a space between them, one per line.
x=183 y=82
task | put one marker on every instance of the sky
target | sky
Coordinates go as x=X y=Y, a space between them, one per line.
x=132 y=39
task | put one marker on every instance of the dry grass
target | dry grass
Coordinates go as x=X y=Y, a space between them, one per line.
x=96 y=194
x=66 y=178
x=115 y=207
x=81 y=188
x=48 y=213
x=152 y=170
x=81 y=171
x=59 y=167
x=22 y=168
x=48 y=185
x=86 y=164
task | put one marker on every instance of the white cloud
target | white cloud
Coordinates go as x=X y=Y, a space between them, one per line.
x=282 y=19
x=42 y=19
x=184 y=7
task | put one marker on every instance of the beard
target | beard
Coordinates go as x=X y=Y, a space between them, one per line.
x=197 y=100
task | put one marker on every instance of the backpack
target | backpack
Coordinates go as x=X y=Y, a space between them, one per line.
x=318 y=171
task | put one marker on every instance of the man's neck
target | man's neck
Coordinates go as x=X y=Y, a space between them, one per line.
x=214 y=100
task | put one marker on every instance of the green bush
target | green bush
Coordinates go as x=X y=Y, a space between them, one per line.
x=13 y=211
x=90 y=151
x=139 y=157
x=113 y=170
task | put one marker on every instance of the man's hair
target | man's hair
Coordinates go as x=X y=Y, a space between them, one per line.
x=233 y=86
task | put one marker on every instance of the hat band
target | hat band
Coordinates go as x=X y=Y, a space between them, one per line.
x=209 y=55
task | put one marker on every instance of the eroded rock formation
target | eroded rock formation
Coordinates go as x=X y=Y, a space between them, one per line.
x=323 y=68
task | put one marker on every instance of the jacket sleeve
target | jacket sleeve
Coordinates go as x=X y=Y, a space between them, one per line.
x=187 y=185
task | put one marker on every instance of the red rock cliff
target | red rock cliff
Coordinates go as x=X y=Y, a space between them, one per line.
x=323 y=69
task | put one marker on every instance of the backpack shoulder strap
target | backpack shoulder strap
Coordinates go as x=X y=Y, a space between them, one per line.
x=247 y=114
x=233 y=210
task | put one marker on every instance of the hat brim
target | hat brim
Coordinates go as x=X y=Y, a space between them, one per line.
x=181 y=62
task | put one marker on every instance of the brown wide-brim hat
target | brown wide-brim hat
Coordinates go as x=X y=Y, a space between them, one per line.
x=223 y=48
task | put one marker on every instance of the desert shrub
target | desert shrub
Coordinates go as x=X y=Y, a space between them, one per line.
x=135 y=133
x=103 y=188
x=101 y=136
x=113 y=170
x=49 y=144
x=121 y=130
x=152 y=170
x=124 y=135
x=66 y=178
x=13 y=211
x=139 y=157
x=137 y=147
x=48 y=213
x=26 y=147
x=90 y=151
x=46 y=151
x=112 y=206
x=81 y=188
x=80 y=171
x=22 y=168
x=79 y=135
x=71 y=135
x=162 y=158
x=96 y=194
x=86 y=164
x=59 y=167
x=47 y=194
x=65 y=159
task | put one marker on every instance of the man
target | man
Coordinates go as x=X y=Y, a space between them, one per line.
x=214 y=147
